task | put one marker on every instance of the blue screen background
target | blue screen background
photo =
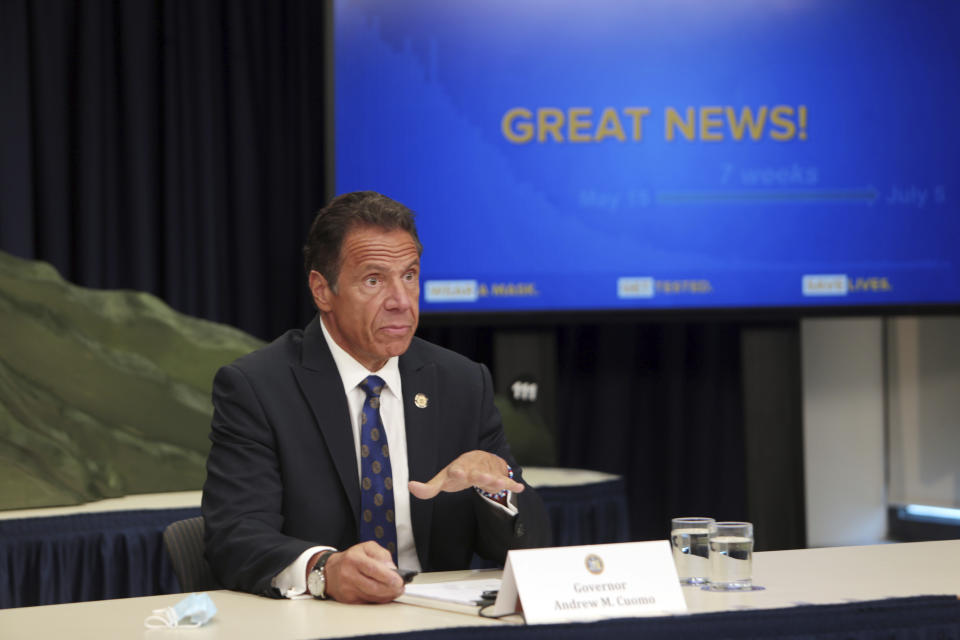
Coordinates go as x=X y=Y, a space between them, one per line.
x=865 y=199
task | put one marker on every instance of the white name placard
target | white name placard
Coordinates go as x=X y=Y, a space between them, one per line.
x=569 y=584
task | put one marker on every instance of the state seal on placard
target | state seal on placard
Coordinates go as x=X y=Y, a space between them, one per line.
x=594 y=564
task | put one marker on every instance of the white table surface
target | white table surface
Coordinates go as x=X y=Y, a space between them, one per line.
x=811 y=576
x=239 y=616
x=841 y=574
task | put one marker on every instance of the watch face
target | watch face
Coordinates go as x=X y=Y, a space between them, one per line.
x=316 y=584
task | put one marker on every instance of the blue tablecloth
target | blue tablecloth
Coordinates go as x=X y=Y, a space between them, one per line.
x=93 y=556
x=588 y=514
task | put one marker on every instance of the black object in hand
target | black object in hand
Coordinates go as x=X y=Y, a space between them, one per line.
x=406 y=574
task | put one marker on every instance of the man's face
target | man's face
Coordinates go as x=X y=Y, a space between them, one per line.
x=375 y=310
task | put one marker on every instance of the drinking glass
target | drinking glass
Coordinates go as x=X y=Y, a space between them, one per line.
x=731 y=556
x=689 y=539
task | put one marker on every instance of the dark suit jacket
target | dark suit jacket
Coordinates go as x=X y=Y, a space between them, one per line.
x=282 y=469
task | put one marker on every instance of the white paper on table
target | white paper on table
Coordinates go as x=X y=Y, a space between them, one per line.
x=466 y=592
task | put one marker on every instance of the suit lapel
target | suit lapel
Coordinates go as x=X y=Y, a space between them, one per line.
x=322 y=386
x=420 y=381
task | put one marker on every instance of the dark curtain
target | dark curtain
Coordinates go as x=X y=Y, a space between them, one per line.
x=660 y=404
x=170 y=146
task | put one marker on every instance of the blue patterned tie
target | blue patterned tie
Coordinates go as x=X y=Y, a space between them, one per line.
x=377 y=516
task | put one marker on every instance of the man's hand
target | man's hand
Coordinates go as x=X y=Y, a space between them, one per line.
x=472 y=469
x=363 y=573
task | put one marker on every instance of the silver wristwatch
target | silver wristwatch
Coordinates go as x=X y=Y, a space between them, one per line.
x=317 y=579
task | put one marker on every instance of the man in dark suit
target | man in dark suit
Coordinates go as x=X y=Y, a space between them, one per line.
x=343 y=450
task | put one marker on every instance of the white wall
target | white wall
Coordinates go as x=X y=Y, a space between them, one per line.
x=843 y=430
x=924 y=410
x=881 y=399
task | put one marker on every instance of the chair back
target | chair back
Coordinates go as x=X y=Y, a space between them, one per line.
x=184 y=542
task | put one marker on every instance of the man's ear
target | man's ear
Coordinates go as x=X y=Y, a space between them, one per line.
x=320 y=290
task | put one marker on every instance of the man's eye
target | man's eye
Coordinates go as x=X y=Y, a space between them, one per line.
x=373 y=281
x=410 y=276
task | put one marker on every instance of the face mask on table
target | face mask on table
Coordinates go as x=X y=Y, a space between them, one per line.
x=193 y=611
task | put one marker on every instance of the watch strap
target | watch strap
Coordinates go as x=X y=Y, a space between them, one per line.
x=320 y=569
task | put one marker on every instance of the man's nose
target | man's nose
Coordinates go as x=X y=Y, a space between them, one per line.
x=399 y=295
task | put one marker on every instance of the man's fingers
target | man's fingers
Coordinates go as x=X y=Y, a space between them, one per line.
x=377 y=588
x=472 y=469
x=493 y=483
x=455 y=478
x=375 y=551
x=449 y=479
x=363 y=573
x=423 y=490
x=485 y=480
x=381 y=575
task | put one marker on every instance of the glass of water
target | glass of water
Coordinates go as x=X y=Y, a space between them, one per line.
x=689 y=538
x=731 y=556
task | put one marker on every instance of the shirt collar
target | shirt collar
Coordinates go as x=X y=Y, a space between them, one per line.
x=352 y=372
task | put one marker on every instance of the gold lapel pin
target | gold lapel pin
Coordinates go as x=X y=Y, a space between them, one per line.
x=420 y=400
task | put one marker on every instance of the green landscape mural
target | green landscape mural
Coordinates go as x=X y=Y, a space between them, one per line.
x=102 y=393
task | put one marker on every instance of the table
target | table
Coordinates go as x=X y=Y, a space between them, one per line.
x=113 y=548
x=790 y=578
x=239 y=615
x=840 y=574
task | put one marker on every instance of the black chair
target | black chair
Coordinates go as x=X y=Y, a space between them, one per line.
x=184 y=542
